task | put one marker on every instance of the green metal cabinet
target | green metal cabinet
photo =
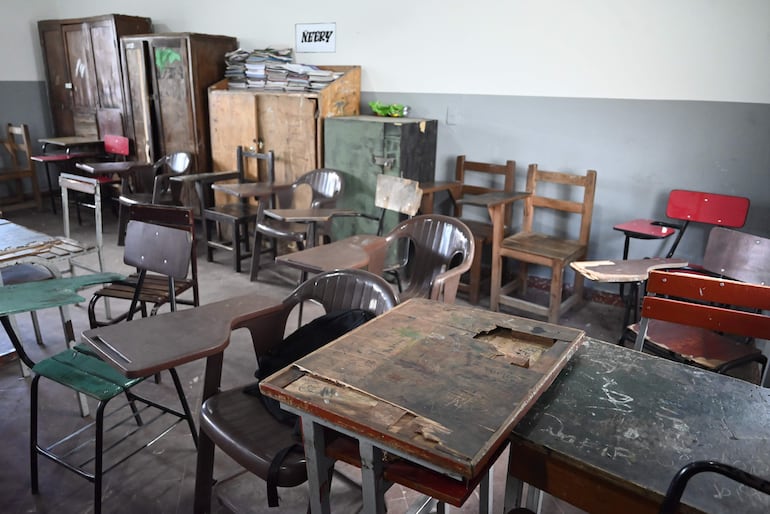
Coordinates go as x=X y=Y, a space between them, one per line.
x=362 y=147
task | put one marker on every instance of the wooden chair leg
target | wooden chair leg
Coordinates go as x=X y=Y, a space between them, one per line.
x=474 y=282
x=554 y=301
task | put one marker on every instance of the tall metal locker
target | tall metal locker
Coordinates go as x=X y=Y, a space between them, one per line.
x=362 y=147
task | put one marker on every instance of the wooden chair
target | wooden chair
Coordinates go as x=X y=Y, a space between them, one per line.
x=154 y=288
x=325 y=186
x=687 y=207
x=253 y=441
x=20 y=165
x=550 y=192
x=436 y=251
x=678 y=484
x=689 y=318
x=237 y=215
x=479 y=178
x=150 y=247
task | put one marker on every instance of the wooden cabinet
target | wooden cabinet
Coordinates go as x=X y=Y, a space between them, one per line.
x=83 y=72
x=362 y=147
x=289 y=124
x=166 y=80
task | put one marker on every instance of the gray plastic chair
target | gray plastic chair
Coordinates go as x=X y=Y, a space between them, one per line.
x=434 y=250
x=253 y=440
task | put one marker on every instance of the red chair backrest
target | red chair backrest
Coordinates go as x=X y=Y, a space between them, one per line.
x=711 y=208
x=117 y=145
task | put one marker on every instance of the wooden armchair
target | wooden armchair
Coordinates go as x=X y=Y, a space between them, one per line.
x=554 y=249
x=479 y=178
x=19 y=165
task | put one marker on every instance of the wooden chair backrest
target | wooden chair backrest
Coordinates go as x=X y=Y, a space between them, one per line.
x=480 y=176
x=255 y=166
x=537 y=199
x=17 y=145
x=738 y=255
x=117 y=146
x=691 y=300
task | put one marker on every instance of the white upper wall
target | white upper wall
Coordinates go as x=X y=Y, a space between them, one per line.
x=713 y=50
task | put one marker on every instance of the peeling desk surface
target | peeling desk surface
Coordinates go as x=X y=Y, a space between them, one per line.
x=442 y=383
x=617 y=424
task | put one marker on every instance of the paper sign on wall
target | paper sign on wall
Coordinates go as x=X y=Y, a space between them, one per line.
x=316 y=37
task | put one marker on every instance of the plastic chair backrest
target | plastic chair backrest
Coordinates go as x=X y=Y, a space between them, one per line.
x=346 y=289
x=738 y=255
x=436 y=244
x=326 y=185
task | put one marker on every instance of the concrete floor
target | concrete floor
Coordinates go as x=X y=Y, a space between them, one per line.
x=161 y=478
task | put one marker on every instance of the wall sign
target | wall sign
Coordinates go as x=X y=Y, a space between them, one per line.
x=316 y=37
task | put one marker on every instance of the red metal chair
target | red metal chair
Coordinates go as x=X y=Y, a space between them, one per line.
x=687 y=206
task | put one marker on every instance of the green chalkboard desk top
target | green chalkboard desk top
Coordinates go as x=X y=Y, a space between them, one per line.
x=616 y=425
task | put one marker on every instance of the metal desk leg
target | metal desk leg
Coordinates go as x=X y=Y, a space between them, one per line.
x=319 y=466
x=371 y=478
x=204 y=473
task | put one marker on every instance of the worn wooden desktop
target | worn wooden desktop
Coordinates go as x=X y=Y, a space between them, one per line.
x=20 y=244
x=429 y=190
x=355 y=252
x=634 y=272
x=617 y=424
x=68 y=143
x=440 y=388
x=311 y=217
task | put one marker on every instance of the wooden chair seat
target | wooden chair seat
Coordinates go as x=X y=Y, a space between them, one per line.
x=544 y=246
x=695 y=345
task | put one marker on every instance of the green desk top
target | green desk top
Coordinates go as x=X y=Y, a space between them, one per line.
x=32 y=296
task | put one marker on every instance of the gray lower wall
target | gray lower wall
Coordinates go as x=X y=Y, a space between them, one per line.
x=640 y=149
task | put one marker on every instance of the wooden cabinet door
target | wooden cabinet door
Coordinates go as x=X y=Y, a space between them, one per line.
x=139 y=97
x=82 y=75
x=57 y=74
x=170 y=64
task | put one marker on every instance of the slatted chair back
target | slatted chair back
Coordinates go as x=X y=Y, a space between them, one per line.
x=718 y=306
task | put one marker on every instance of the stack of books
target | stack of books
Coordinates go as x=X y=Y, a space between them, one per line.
x=244 y=69
x=274 y=70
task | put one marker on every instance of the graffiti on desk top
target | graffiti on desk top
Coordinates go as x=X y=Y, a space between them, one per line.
x=585 y=444
x=615 y=400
